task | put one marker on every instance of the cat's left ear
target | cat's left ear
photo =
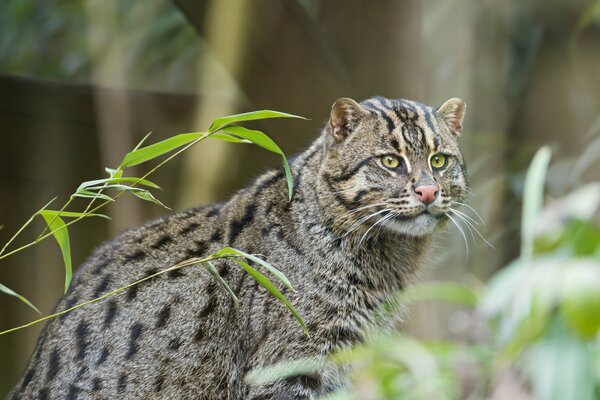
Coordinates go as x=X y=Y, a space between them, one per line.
x=345 y=114
x=453 y=112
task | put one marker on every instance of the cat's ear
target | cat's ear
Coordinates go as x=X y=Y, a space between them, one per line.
x=345 y=114
x=453 y=112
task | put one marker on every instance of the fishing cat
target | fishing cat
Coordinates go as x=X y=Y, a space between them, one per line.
x=369 y=194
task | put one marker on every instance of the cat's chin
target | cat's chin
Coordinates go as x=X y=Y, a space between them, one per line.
x=420 y=225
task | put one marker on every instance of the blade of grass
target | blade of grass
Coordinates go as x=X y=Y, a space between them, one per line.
x=249 y=116
x=11 y=292
x=262 y=140
x=268 y=285
x=533 y=197
x=61 y=233
x=213 y=271
x=235 y=252
x=147 y=153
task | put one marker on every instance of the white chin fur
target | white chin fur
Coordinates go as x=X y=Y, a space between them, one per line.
x=422 y=225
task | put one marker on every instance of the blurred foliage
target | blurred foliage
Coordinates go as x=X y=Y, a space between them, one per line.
x=533 y=331
x=159 y=46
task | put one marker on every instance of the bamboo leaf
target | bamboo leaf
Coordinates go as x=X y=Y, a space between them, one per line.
x=69 y=214
x=262 y=140
x=213 y=271
x=141 y=142
x=267 y=284
x=235 y=252
x=61 y=234
x=228 y=138
x=109 y=181
x=146 y=195
x=147 y=153
x=249 y=116
x=11 y=292
x=92 y=195
x=114 y=173
x=533 y=197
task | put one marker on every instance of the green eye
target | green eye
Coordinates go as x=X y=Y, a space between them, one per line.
x=438 y=161
x=390 y=162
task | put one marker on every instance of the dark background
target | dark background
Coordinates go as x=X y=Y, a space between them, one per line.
x=81 y=82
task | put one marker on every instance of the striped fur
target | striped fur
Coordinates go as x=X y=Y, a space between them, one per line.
x=179 y=336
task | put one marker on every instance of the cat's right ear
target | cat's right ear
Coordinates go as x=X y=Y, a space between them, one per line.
x=345 y=114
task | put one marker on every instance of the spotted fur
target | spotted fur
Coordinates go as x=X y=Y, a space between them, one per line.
x=353 y=234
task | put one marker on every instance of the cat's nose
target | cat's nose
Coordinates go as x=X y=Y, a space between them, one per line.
x=427 y=193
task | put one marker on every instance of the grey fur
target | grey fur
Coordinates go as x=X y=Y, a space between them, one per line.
x=179 y=336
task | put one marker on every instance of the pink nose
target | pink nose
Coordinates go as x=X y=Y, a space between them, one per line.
x=427 y=193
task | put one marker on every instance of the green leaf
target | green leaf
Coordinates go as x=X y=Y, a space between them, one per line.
x=560 y=367
x=213 y=271
x=147 y=153
x=92 y=195
x=114 y=173
x=61 y=234
x=146 y=195
x=262 y=140
x=533 y=197
x=446 y=291
x=235 y=252
x=141 y=142
x=228 y=138
x=11 y=292
x=249 y=116
x=109 y=181
x=580 y=304
x=266 y=283
x=69 y=214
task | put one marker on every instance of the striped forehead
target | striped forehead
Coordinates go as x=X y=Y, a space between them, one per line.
x=410 y=126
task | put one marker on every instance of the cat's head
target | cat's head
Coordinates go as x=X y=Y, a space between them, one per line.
x=392 y=165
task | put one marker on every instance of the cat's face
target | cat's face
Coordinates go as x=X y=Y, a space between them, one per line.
x=392 y=165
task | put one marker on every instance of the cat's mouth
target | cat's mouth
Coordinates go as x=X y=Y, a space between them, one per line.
x=420 y=223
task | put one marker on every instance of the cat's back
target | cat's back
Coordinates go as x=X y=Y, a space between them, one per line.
x=94 y=351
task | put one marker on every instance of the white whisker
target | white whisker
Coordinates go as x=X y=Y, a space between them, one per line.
x=470 y=208
x=462 y=232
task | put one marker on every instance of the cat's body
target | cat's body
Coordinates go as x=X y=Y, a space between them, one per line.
x=179 y=335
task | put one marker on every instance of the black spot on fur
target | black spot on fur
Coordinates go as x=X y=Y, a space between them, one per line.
x=103 y=356
x=137 y=256
x=187 y=229
x=174 y=344
x=44 y=394
x=176 y=273
x=100 y=266
x=102 y=286
x=264 y=231
x=163 y=316
x=81 y=339
x=199 y=335
x=68 y=304
x=122 y=383
x=224 y=270
x=158 y=383
x=111 y=312
x=208 y=308
x=73 y=392
x=216 y=236
x=162 y=241
x=236 y=227
x=96 y=385
x=53 y=365
x=28 y=377
x=132 y=292
x=198 y=251
x=134 y=336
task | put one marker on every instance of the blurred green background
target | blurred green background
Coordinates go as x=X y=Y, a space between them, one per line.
x=81 y=82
